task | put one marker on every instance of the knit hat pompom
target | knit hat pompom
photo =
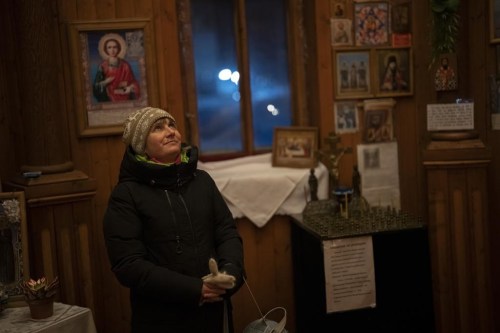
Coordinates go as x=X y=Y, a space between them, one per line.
x=138 y=125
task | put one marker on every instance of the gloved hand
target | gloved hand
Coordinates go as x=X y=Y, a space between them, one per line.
x=219 y=279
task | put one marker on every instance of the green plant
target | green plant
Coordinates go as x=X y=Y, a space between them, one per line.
x=445 y=27
x=39 y=289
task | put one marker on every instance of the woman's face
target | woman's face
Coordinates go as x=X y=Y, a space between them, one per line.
x=112 y=48
x=164 y=141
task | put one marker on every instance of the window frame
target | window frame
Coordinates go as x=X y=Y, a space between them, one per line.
x=296 y=53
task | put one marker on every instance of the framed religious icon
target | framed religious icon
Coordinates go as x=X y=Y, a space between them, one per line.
x=338 y=8
x=295 y=147
x=401 y=18
x=377 y=126
x=445 y=72
x=377 y=120
x=341 y=30
x=495 y=21
x=394 y=72
x=14 y=259
x=113 y=72
x=352 y=74
x=371 y=22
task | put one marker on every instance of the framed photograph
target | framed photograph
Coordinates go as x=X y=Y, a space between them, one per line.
x=112 y=69
x=341 y=30
x=352 y=77
x=295 y=147
x=14 y=259
x=495 y=21
x=394 y=69
x=346 y=117
x=371 y=22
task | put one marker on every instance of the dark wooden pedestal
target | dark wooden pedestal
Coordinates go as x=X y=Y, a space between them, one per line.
x=457 y=181
x=403 y=286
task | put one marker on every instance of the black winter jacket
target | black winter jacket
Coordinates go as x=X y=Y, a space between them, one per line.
x=162 y=225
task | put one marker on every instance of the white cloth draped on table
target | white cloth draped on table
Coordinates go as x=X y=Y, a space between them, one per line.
x=66 y=318
x=254 y=189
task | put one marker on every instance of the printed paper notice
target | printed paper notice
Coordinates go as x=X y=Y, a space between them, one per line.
x=378 y=166
x=452 y=116
x=349 y=274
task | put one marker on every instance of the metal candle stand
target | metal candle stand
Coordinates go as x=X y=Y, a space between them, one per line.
x=348 y=213
x=324 y=218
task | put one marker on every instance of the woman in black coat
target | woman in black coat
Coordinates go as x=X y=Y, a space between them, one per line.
x=165 y=220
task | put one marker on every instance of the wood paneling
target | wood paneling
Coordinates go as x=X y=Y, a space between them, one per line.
x=38 y=125
x=60 y=246
x=268 y=263
x=459 y=244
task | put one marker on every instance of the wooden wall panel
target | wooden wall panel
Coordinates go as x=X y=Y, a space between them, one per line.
x=268 y=263
x=99 y=157
x=458 y=235
x=10 y=139
x=60 y=246
x=494 y=226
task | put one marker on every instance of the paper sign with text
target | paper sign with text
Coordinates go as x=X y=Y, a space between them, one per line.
x=349 y=274
x=450 y=117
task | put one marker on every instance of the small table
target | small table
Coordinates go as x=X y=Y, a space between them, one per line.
x=66 y=318
x=402 y=273
x=254 y=189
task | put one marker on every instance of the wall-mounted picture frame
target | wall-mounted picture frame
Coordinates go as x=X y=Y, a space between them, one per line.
x=371 y=23
x=394 y=72
x=445 y=72
x=352 y=74
x=401 y=18
x=346 y=116
x=14 y=255
x=495 y=21
x=341 y=31
x=338 y=8
x=377 y=120
x=113 y=69
x=295 y=147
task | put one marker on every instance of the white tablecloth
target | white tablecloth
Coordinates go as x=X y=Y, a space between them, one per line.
x=66 y=318
x=254 y=189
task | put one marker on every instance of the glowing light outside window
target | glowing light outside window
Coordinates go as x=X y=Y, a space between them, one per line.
x=235 y=77
x=268 y=60
x=225 y=74
x=273 y=110
x=217 y=75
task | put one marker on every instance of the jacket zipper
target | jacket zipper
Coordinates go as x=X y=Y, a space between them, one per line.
x=178 y=247
x=197 y=253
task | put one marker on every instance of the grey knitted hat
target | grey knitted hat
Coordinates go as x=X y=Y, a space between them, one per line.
x=138 y=125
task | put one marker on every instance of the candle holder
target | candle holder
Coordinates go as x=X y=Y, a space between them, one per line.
x=343 y=196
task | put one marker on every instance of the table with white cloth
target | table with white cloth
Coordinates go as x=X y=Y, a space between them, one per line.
x=254 y=189
x=66 y=318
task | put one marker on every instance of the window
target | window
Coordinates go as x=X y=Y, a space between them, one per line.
x=240 y=70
